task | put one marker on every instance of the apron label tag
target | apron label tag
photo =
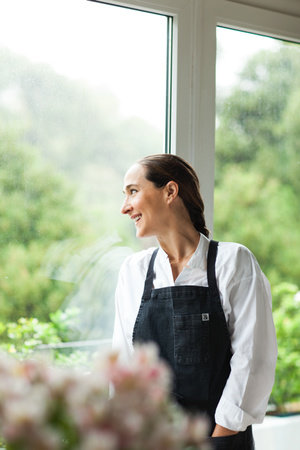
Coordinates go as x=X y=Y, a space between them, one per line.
x=205 y=317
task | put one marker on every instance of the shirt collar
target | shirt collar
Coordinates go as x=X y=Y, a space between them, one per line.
x=199 y=257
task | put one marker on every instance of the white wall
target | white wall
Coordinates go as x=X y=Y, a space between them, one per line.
x=278 y=433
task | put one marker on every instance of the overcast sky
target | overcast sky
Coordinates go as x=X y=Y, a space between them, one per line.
x=116 y=48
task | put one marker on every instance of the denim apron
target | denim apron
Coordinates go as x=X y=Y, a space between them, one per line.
x=189 y=327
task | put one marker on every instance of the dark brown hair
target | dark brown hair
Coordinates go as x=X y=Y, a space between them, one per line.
x=162 y=168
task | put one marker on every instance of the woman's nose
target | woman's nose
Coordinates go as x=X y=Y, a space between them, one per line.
x=125 y=208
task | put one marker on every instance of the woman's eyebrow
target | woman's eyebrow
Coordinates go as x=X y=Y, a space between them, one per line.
x=128 y=187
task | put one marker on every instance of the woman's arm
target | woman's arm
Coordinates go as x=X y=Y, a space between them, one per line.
x=246 y=393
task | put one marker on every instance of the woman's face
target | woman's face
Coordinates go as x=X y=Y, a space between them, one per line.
x=144 y=203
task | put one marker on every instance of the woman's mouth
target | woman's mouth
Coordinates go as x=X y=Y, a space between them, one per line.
x=137 y=218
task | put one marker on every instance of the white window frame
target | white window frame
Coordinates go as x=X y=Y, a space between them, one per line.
x=193 y=68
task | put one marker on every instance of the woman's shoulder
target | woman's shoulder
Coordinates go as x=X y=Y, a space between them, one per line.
x=237 y=258
x=234 y=250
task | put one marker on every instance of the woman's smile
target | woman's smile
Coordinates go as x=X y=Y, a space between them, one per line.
x=136 y=218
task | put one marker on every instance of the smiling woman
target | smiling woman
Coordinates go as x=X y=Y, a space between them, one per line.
x=158 y=176
x=206 y=304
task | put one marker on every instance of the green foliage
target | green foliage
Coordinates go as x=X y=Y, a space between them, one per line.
x=74 y=358
x=24 y=337
x=36 y=202
x=26 y=334
x=262 y=214
x=37 y=207
x=287 y=322
x=64 y=323
x=258 y=189
x=25 y=289
x=251 y=118
x=257 y=162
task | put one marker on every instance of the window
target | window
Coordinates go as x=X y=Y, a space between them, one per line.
x=191 y=99
x=257 y=148
x=257 y=175
x=83 y=89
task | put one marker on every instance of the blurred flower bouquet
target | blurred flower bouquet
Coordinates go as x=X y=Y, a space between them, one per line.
x=44 y=407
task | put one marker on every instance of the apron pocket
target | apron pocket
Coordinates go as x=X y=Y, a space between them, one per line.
x=191 y=338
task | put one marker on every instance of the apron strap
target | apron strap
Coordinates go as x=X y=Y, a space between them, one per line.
x=149 y=278
x=211 y=272
x=211 y=266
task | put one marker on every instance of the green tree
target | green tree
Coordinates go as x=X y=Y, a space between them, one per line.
x=287 y=321
x=37 y=208
x=262 y=214
x=254 y=118
x=257 y=162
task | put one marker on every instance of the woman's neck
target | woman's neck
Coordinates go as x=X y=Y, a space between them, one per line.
x=179 y=247
x=177 y=236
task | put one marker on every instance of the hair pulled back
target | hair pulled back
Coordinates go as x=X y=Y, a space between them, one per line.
x=162 y=168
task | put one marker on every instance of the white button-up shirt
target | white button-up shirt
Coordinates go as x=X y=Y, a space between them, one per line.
x=246 y=300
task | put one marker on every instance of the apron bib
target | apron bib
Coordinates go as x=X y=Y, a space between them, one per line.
x=189 y=327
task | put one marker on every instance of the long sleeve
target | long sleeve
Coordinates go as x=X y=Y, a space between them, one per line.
x=247 y=298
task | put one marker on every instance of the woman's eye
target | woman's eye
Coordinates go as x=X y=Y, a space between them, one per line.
x=133 y=191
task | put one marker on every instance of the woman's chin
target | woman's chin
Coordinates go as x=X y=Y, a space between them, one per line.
x=140 y=233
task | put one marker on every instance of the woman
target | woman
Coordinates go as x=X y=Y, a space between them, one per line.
x=207 y=305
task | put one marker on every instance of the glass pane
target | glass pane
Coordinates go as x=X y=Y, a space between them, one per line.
x=257 y=175
x=82 y=96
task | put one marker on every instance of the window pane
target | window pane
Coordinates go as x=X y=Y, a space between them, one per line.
x=257 y=174
x=82 y=96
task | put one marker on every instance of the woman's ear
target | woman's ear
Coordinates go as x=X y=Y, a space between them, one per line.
x=171 y=189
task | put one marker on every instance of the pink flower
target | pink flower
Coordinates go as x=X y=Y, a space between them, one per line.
x=43 y=405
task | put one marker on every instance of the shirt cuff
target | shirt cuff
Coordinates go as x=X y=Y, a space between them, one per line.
x=234 y=418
